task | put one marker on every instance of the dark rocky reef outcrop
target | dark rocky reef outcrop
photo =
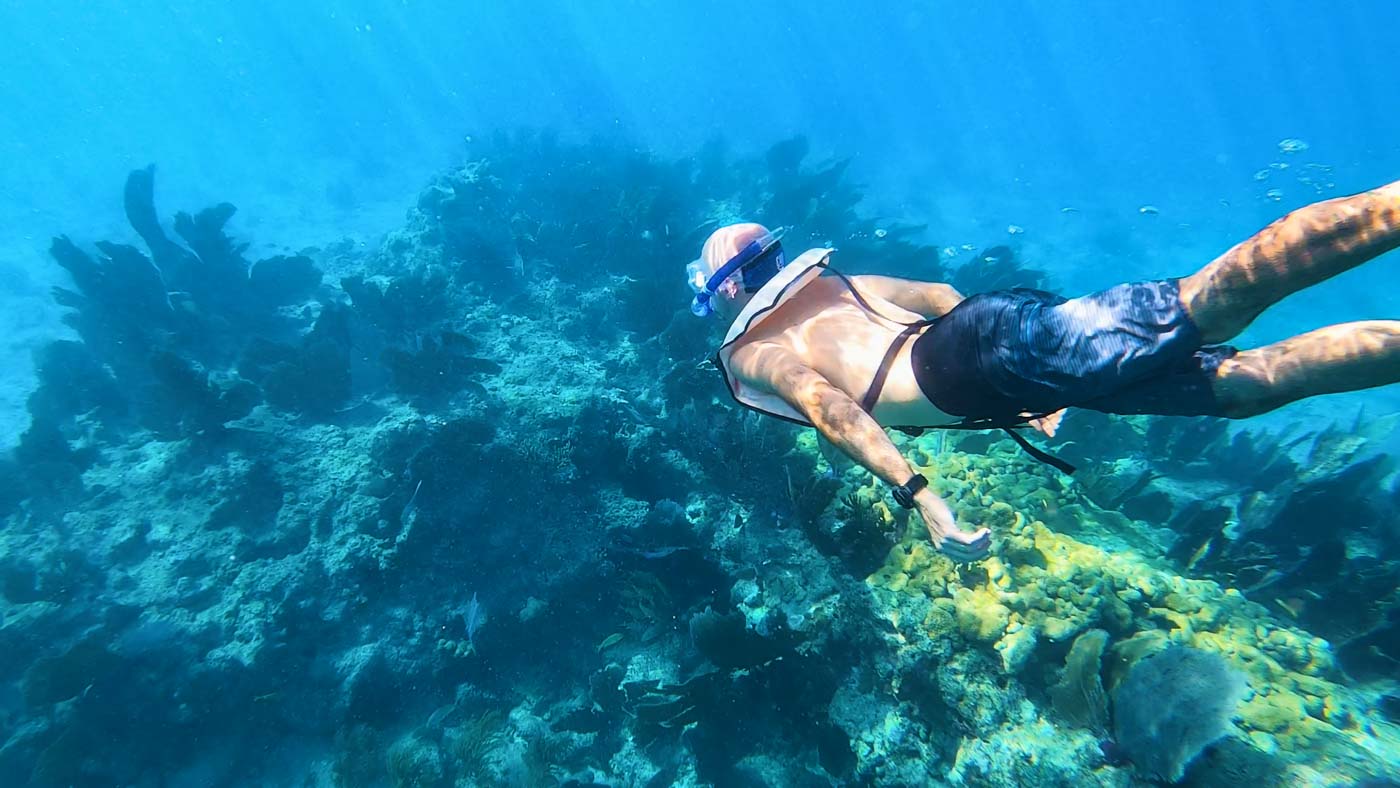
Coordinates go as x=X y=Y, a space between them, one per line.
x=161 y=333
x=996 y=268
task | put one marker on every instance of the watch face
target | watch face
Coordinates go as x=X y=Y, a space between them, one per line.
x=904 y=496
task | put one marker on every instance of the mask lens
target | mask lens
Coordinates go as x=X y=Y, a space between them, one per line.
x=695 y=275
x=763 y=268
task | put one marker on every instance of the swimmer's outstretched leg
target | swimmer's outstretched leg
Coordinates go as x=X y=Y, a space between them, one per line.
x=1343 y=357
x=1305 y=247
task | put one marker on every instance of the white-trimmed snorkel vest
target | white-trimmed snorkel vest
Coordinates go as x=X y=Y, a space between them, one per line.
x=790 y=279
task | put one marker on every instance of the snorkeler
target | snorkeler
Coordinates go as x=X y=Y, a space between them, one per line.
x=851 y=355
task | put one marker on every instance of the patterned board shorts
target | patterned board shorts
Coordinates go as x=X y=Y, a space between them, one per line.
x=1129 y=349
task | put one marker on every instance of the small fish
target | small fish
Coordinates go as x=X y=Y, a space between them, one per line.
x=950 y=251
x=968 y=247
x=1200 y=553
x=1149 y=210
x=1262 y=175
x=1292 y=145
x=661 y=552
x=1292 y=606
x=436 y=719
x=360 y=403
x=609 y=642
x=475 y=618
x=410 y=508
x=881 y=233
x=1069 y=209
x=1274 y=194
x=1015 y=229
x=1278 y=165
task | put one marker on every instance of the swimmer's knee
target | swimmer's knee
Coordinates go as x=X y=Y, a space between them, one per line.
x=1242 y=389
x=1219 y=308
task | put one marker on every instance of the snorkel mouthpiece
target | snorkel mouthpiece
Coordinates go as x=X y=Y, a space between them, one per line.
x=700 y=305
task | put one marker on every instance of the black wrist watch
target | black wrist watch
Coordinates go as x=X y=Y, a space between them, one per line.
x=904 y=493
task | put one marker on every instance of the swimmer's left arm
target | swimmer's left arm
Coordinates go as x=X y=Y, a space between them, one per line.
x=842 y=421
x=930 y=299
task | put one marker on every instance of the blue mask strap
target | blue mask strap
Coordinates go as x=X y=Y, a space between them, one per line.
x=738 y=261
x=701 y=305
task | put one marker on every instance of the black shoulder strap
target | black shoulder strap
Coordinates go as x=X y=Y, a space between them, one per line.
x=860 y=299
x=1009 y=426
x=877 y=383
x=1040 y=454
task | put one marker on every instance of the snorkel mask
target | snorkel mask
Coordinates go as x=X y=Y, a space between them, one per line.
x=756 y=263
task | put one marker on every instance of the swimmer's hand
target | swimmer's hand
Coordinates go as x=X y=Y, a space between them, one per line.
x=959 y=545
x=1049 y=423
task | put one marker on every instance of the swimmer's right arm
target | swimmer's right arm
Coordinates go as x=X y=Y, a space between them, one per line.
x=930 y=299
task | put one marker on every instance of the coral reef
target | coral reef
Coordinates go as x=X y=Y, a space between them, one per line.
x=259 y=520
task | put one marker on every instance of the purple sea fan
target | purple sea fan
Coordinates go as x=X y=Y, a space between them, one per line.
x=1172 y=705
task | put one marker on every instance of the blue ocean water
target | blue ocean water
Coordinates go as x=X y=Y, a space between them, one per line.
x=412 y=434
x=969 y=119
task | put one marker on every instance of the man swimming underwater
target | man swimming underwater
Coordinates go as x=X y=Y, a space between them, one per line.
x=850 y=355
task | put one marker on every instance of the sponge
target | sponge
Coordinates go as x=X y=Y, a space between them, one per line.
x=1172 y=705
